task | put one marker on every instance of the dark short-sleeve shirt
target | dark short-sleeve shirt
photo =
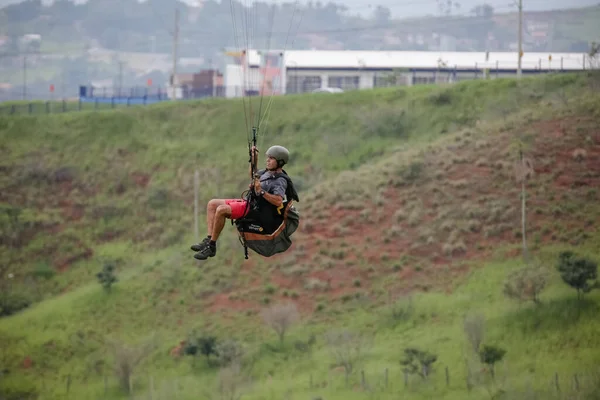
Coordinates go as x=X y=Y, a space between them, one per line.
x=271 y=185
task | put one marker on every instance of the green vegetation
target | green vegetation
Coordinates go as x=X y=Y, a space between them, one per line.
x=52 y=107
x=407 y=276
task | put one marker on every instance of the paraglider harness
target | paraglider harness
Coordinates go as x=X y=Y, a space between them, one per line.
x=266 y=229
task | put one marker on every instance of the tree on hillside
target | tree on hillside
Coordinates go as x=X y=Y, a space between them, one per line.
x=348 y=348
x=578 y=272
x=474 y=328
x=201 y=344
x=526 y=284
x=280 y=317
x=490 y=355
x=229 y=352
x=107 y=276
x=128 y=357
x=418 y=362
x=231 y=384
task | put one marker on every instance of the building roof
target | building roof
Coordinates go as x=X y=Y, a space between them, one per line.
x=350 y=59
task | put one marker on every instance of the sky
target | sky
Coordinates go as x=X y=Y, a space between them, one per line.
x=414 y=8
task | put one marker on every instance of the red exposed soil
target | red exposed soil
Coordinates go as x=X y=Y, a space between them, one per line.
x=465 y=204
x=141 y=179
x=437 y=262
x=62 y=262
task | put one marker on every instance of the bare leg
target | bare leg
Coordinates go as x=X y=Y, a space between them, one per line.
x=223 y=212
x=211 y=210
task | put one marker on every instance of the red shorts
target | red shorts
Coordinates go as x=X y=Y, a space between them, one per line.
x=238 y=208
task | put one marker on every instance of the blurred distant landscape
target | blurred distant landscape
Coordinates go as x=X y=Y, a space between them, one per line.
x=126 y=42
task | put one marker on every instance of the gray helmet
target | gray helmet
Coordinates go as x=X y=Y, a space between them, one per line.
x=280 y=153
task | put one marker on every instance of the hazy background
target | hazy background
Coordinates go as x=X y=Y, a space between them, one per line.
x=125 y=43
x=408 y=8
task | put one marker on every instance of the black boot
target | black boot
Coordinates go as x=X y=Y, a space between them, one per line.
x=208 y=250
x=200 y=246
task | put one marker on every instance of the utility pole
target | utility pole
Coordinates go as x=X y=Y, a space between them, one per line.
x=24 y=76
x=120 y=78
x=175 y=42
x=520 y=38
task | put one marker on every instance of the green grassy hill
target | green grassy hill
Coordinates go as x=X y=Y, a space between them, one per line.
x=411 y=223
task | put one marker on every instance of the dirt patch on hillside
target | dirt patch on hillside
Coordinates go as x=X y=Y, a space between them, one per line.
x=422 y=235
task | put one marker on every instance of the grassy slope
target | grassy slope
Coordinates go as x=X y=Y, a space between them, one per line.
x=127 y=196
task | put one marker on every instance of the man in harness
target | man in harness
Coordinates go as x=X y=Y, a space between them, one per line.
x=272 y=188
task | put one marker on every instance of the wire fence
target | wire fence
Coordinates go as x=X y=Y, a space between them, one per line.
x=385 y=381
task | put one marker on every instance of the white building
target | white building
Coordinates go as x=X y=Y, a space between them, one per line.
x=300 y=71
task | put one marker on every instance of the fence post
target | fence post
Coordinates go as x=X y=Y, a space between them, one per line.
x=556 y=382
x=447 y=376
x=362 y=378
x=68 y=383
x=386 y=377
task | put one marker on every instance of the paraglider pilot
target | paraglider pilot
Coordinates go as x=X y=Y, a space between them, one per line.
x=270 y=194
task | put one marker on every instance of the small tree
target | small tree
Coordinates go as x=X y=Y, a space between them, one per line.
x=229 y=352
x=401 y=309
x=347 y=347
x=126 y=359
x=418 y=362
x=202 y=344
x=280 y=317
x=474 y=328
x=490 y=355
x=526 y=284
x=107 y=277
x=577 y=272
x=231 y=383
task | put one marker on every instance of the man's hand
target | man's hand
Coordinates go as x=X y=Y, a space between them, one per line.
x=257 y=187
